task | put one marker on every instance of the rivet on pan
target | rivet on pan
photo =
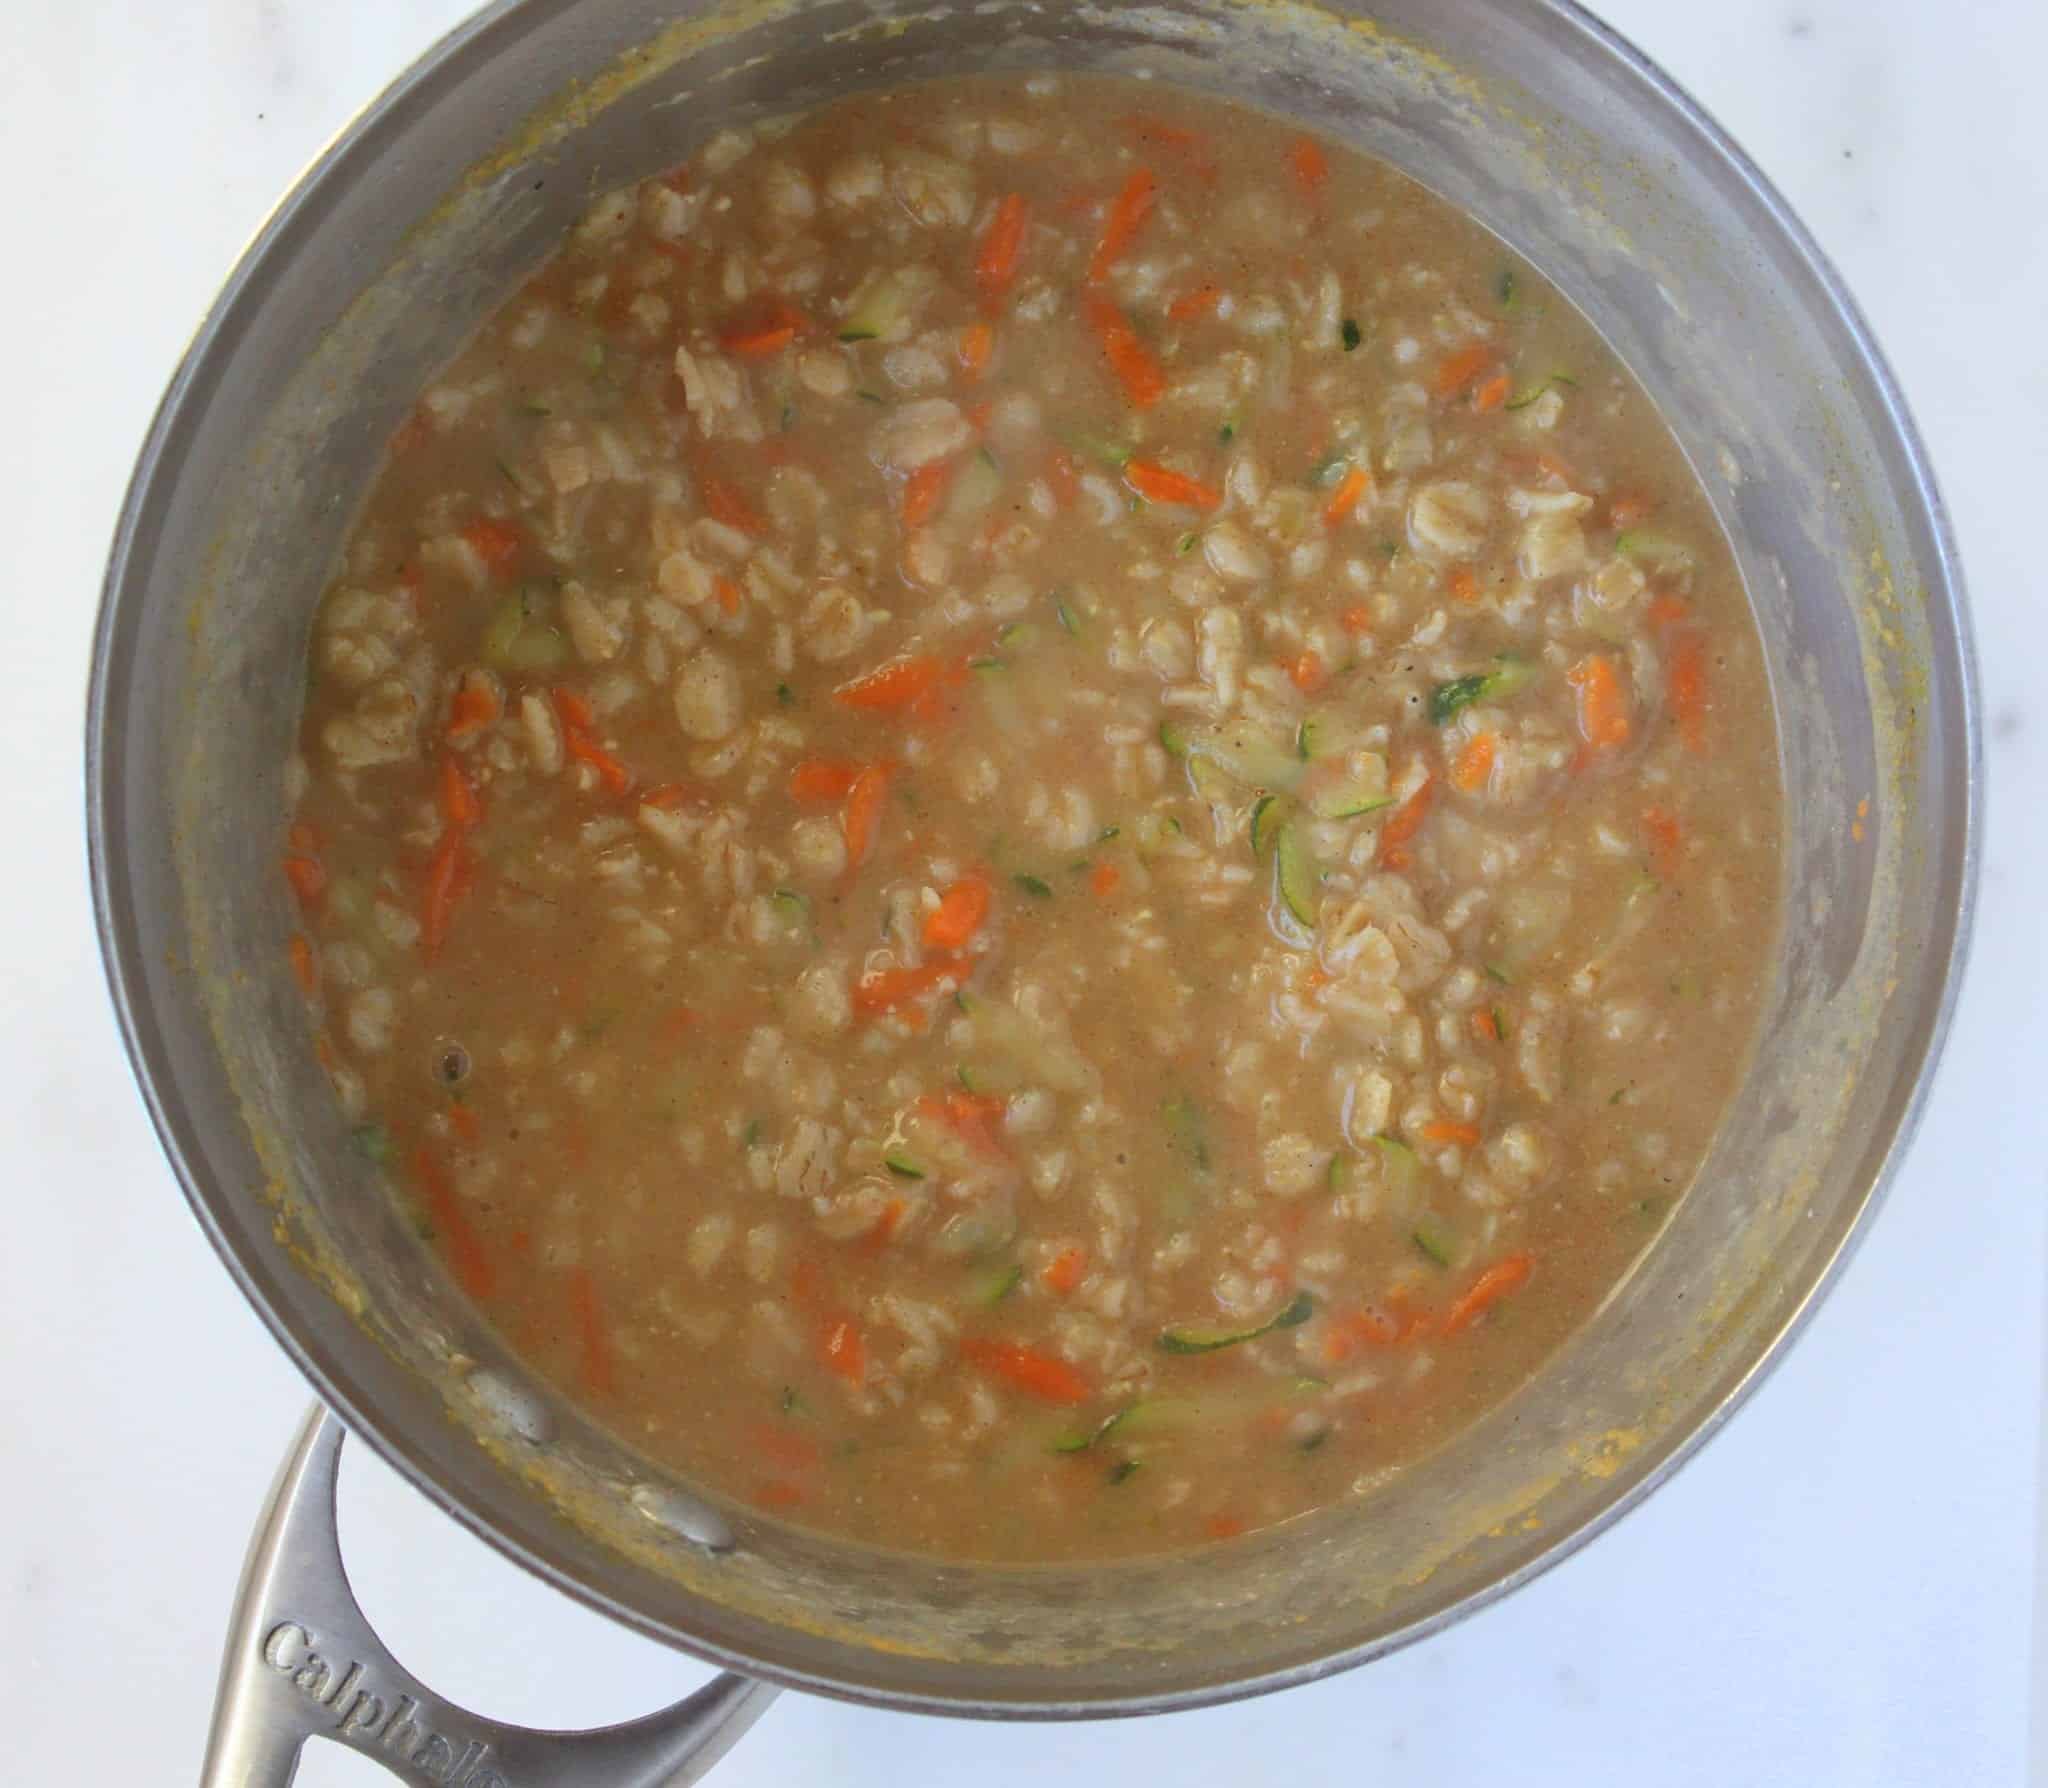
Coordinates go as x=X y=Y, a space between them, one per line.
x=512 y=1406
x=683 y=1515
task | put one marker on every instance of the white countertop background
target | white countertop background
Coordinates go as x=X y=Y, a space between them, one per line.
x=1843 y=1589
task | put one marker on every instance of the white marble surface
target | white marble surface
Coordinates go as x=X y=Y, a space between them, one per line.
x=1841 y=1590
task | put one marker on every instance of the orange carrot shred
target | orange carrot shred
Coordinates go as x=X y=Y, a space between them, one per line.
x=1666 y=841
x=1198 y=303
x=1127 y=214
x=1137 y=369
x=1446 y=1130
x=1351 y=489
x=463 y=1120
x=467 y=1256
x=779 y=1493
x=864 y=812
x=1104 y=879
x=959 y=914
x=1357 y=620
x=784 y=1446
x=894 y=685
x=498 y=543
x=1002 y=249
x=596 y=1366
x=1040 y=1375
x=1460 y=369
x=765 y=333
x=473 y=707
x=1487 y=1290
x=1308 y=673
x=842 y=1350
x=308 y=879
x=1064 y=477
x=724 y=503
x=885 y=990
x=1485 y=1026
x=1223 y=1527
x=1492 y=394
x=729 y=594
x=1603 y=708
x=1066 y=1270
x=579 y=742
x=1685 y=684
x=1463 y=586
x=823 y=779
x=1475 y=763
x=305 y=970
x=1309 y=165
x=303 y=838
x=922 y=491
x=1399 y=832
x=1628 y=511
x=1161 y=484
x=977 y=345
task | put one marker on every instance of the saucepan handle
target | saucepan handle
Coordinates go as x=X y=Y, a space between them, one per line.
x=302 y=1662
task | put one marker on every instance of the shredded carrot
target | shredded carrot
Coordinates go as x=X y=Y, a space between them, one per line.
x=864 y=812
x=1198 y=303
x=305 y=970
x=1066 y=1270
x=1446 y=1130
x=760 y=336
x=724 y=503
x=894 y=685
x=1064 y=477
x=959 y=914
x=1127 y=214
x=1357 y=620
x=467 y=1257
x=1463 y=586
x=729 y=594
x=670 y=795
x=307 y=877
x=1104 y=879
x=443 y=889
x=1460 y=369
x=1628 y=511
x=886 y=1225
x=1484 y=1025
x=303 y=838
x=785 y=1446
x=498 y=543
x=578 y=741
x=1002 y=249
x=1040 y=1375
x=1492 y=394
x=1309 y=165
x=1223 y=1527
x=1668 y=609
x=1685 y=686
x=1666 y=841
x=596 y=1367
x=1399 y=832
x=613 y=774
x=1487 y=1290
x=1475 y=763
x=1603 y=708
x=972 y=1115
x=1369 y=1327
x=922 y=491
x=1137 y=369
x=779 y=1493
x=842 y=1350
x=463 y=1120
x=823 y=779
x=1308 y=673
x=1161 y=484
x=977 y=346
x=473 y=707
x=885 y=990
x=1351 y=489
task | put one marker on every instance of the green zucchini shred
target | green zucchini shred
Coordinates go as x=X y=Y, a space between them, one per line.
x=1186 y=1340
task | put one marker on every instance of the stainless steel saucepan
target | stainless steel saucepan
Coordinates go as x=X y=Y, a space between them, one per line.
x=419 y=219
